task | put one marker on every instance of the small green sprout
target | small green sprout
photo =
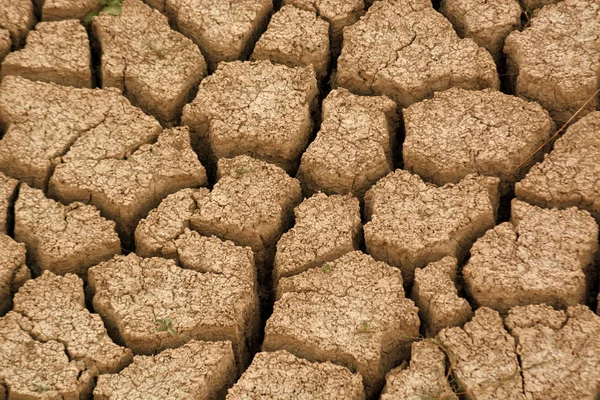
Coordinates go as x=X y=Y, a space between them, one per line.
x=165 y=324
x=326 y=268
x=40 y=388
x=242 y=171
x=110 y=7
x=364 y=327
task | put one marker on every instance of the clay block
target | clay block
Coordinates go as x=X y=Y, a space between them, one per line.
x=55 y=52
x=353 y=148
x=435 y=293
x=281 y=375
x=559 y=351
x=85 y=124
x=251 y=204
x=7 y=193
x=196 y=370
x=31 y=369
x=406 y=50
x=414 y=223
x=157 y=68
x=166 y=306
x=17 y=17
x=225 y=30
x=5 y=43
x=13 y=271
x=541 y=256
x=346 y=315
x=155 y=234
x=54 y=10
x=255 y=108
x=425 y=378
x=487 y=23
x=62 y=239
x=483 y=358
x=295 y=38
x=326 y=228
x=459 y=132
x=562 y=82
x=339 y=14
x=569 y=175
x=126 y=190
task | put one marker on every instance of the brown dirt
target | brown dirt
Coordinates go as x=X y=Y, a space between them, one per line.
x=13 y=270
x=17 y=17
x=5 y=43
x=8 y=187
x=54 y=10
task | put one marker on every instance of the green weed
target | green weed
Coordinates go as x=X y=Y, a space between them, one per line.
x=110 y=7
x=165 y=324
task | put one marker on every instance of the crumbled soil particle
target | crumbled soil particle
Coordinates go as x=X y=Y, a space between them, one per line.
x=541 y=256
x=339 y=14
x=425 y=378
x=62 y=239
x=5 y=43
x=295 y=38
x=55 y=52
x=255 y=108
x=486 y=22
x=570 y=174
x=17 y=17
x=54 y=10
x=407 y=50
x=485 y=132
x=225 y=30
x=353 y=314
x=436 y=295
x=353 y=148
x=126 y=190
x=157 y=68
x=283 y=376
x=414 y=223
x=251 y=204
x=326 y=228
x=94 y=124
x=133 y=295
x=7 y=192
x=31 y=369
x=559 y=351
x=55 y=309
x=154 y=234
x=196 y=370
x=483 y=359
x=556 y=59
x=13 y=271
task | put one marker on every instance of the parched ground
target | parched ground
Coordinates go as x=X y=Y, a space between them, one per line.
x=299 y=199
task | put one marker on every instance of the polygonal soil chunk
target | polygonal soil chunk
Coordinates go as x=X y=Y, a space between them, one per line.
x=55 y=52
x=541 y=256
x=54 y=10
x=157 y=68
x=354 y=146
x=154 y=234
x=31 y=369
x=281 y=375
x=414 y=223
x=570 y=174
x=225 y=30
x=425 y=378
x=17 y=17
x=55 y=308
x=43 y=120
x=530 y=5
x=561 y=81
x=436 y=295
x=151 y=304
x=126 y=190
x=62 y=239
x=296 y=38
x=197 y=370
x=487 y=23
x=339 y=13
x=251 y=204
x=353 y=313
x=459 y=132
x=559 y=351
x=7 y=192
x=13 y=271
x=483 y=359
x=5 y=43
x=326 y=228
x=254 y=108
x=407 y=50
